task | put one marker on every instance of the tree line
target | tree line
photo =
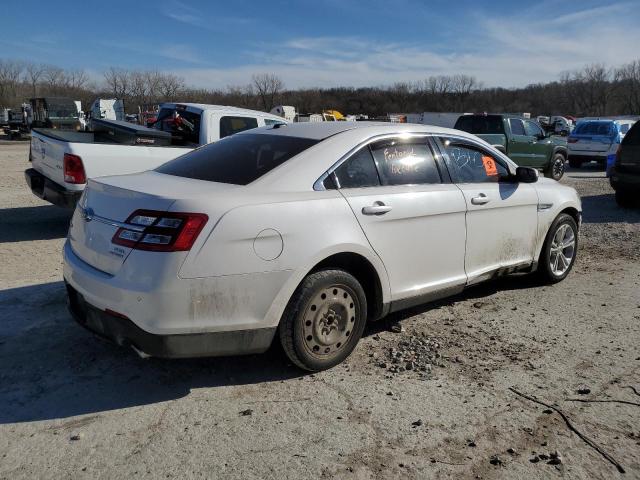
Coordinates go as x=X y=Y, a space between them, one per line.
x=594 y=90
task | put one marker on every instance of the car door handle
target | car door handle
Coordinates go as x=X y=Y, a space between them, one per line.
x=378 y=208
x=481 y=199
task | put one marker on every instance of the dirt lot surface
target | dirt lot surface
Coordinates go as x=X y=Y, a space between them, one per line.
x=74 y=406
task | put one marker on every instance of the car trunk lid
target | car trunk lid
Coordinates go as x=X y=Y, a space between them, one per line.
x=108 y=202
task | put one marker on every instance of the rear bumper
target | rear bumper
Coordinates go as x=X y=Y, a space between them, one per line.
x=624 y=181
x=50 y=191
x=588 y=157
x=124 y=332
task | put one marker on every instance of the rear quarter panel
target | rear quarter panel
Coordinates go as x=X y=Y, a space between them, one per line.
x=287 y=236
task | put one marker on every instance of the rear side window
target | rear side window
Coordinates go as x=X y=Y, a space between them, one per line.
x=231 y=125
x=480 y=124
x=516 y=126
x=183 y=125
x=402 y=162
x=633 y=135
x=358 y=171
x=271 y=121
x=469 y=164
x=239 y=159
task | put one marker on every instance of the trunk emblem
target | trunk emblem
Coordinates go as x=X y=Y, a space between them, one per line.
x=87 y=214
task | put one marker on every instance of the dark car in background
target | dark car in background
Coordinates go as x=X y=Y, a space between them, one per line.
x=624 y=175
x=523 y=140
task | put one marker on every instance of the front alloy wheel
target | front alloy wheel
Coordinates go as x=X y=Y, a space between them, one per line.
x=560 y=248
x=324 y=320
x=563 y=247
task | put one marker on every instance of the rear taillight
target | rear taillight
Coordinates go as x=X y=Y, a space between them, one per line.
x=160 y=231
x=73 y=169
x=572 y=140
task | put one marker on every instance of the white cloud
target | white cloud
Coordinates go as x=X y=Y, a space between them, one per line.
x=535 y=46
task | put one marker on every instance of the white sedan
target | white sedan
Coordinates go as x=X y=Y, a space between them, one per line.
x=306 y=232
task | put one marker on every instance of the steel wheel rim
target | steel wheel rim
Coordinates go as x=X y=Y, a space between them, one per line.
x=563 y=246
x=329 y=320
x=558 y=168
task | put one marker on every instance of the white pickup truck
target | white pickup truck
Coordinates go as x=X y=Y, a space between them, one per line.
x=63 y=161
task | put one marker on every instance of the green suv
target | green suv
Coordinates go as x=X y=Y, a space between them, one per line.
x=521 y=139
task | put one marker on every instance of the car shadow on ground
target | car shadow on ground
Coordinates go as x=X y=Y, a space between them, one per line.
x=51 y=368
x=45 y=222
x=604 y=209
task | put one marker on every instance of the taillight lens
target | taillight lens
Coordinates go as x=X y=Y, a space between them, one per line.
x=73 y=169
x=160 y=231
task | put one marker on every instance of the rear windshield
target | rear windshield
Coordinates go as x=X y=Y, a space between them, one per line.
x=594 y=128
x=489 y=124
x=238 y=159
x=183 y=125
x=633 y=136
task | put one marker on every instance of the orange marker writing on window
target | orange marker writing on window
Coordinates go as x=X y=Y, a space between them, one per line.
x=489 y=166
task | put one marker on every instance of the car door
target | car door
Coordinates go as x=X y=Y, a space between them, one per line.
x=519 y=147
x=540 y=146
x=413 y=220
x=502 y=215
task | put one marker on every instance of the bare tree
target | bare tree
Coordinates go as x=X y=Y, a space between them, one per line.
x=10 y=73
x=34 y=72
x=76 y=79
x=268 y=86
x=169 y=85
x=117 y=81
x=628 y=79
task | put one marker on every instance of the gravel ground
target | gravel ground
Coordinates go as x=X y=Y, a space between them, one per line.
x=425 y=395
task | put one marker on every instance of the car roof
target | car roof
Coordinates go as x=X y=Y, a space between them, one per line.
x=220 y=108
x=323 y=130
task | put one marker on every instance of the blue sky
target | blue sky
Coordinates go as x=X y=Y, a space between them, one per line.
x=325 y=42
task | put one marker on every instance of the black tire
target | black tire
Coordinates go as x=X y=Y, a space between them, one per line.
x=625 y=199
x=556 y=168
x=545 y=270
x=575 y=163
x=293 y=337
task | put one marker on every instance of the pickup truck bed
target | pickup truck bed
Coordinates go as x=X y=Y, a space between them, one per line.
x=49 y=147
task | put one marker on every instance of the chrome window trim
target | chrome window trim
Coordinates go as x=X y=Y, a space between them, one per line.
x=318 y=184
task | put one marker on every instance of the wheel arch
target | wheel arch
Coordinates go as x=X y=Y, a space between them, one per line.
x=561 y=150
x=364 y=271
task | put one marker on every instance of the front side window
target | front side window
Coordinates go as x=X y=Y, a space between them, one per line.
x=239 y=159
x=533 y=129
x=231 y=125
x=516 y=126
x=470 y=164
x=405 y=162
x=358 y=171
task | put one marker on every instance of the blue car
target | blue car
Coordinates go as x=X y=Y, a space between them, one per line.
x=596 y=140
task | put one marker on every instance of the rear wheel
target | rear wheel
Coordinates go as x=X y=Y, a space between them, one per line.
x=575 y=163
x=556 y=168
x=559 y=251
x=324 y=320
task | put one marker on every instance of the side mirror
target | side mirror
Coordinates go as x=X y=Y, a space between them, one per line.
x=526 y=175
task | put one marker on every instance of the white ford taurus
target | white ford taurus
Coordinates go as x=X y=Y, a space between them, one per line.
x=306 y=231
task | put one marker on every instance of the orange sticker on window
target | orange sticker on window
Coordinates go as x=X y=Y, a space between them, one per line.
x=489 y=166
